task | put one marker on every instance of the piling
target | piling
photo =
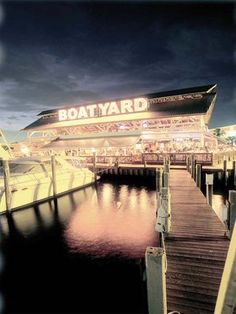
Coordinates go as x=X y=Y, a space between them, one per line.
x=188 y=163
x=209 y=188
x=156 y=280
x=158 y=179
x=54 y=181
x=165 y=179
x=163 y=221
x=225 y=171
x=6 y=175
x=232 y=210
x=94 y=162
x=193 y=166
x=198 y=175
x=234 y=173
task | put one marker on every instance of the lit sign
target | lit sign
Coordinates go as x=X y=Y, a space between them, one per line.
x=104 y=109
x=174 y=98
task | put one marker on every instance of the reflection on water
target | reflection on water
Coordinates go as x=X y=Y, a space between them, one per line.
x=49 y=250
x=116 y=220
x=33 y=220
x=108 y=220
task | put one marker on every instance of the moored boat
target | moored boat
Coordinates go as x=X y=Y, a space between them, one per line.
x=31 y=180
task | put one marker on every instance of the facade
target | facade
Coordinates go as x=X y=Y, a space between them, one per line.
x=174 y=121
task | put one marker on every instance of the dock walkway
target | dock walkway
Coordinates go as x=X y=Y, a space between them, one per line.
x=196 y=248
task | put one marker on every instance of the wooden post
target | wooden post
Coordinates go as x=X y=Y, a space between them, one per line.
x=226 y=300
x=54 y=178
x=225 y=172
x=6 y=175
x=190 y=164
x=193 y=162
x=155 y=259
x=158 y=179
x=94 y=161
x=167 y=166
x=163 y=221
x=194 y=170
x=165 y=179
x=198 y=175
x=117 y=162
x=234 y=173
x=209 y=188
x=187 y=163
x=232 y=210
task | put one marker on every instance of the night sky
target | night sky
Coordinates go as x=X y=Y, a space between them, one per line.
x=62 y=53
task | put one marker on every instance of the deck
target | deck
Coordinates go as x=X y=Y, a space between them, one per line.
x=196 y=249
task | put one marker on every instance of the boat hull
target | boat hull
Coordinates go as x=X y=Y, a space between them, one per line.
x=41 y=189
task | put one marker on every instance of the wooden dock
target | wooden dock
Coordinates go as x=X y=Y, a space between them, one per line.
x=196 y=249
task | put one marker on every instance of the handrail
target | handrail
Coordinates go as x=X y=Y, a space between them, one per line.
x=157 y=158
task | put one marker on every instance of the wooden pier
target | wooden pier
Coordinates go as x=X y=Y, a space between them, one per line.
x=196 y=248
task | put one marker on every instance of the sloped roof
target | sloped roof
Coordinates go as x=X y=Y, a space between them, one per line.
x=160 y=109
x=190 y=90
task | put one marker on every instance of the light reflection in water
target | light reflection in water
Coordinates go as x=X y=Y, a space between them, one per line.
x=29 y=221
x=116 y=220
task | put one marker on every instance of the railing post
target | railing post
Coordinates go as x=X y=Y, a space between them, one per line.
x=225 y=171
x=209 y=188
x=165 y=179
x=198 y=175
x=193 y=163
x=232 y=211
x=166 y=167
x=144 y=161
x=54 y=179
x=94 y=161
x=187 y=163
x=190 y=164
x=163 y=221
x=117 y=162
x=226 y=300
x=155 y=259
x=234 y=173
x=6 y=175
x=159 y=180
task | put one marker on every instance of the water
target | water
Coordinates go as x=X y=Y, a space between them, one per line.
x=85 y=256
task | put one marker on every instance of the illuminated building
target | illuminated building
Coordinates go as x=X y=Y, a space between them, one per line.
x=173 y=121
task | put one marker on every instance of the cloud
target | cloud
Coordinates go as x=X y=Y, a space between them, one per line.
x=55 y=59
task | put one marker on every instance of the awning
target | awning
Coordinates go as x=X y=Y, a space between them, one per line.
x=92 y=143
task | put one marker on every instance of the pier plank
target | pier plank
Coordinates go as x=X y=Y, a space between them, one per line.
x=196 y=248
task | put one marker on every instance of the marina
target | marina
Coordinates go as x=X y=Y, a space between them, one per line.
x=117 y=157
x=121 y=208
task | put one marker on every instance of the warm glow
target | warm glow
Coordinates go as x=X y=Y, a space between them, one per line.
x=116 y=221
x=104 y=109
x=25 y=150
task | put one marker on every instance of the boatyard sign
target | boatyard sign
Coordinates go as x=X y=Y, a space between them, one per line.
x=104 y=109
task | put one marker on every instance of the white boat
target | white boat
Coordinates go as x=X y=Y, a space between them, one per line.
x=31 y=180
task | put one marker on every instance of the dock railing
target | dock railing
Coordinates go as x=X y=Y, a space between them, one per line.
x=148 y=159
x=155 y=257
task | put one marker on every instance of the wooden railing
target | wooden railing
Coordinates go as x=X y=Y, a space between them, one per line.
x=150 y=158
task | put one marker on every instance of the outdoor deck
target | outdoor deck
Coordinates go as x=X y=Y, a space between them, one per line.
x=196 y=248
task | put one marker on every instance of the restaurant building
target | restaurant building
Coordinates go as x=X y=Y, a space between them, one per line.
x=167 y=122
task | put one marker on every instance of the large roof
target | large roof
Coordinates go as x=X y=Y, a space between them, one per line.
x=189 y=101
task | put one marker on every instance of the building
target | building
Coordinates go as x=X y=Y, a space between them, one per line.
x=226 y=133
x=173 y=121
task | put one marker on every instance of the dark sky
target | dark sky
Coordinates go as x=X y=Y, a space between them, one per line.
x=57 y=53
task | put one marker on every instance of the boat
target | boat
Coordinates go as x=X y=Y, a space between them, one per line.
x=31 y=180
